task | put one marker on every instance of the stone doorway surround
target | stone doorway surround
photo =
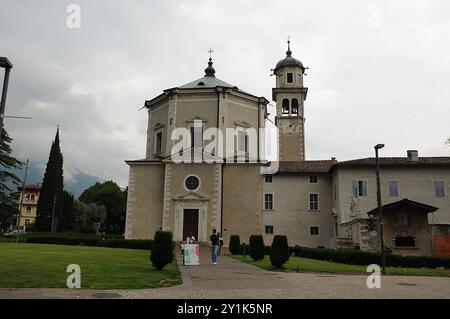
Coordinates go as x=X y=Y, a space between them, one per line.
x=191 y=200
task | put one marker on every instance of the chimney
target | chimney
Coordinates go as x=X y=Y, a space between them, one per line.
x=413 y=155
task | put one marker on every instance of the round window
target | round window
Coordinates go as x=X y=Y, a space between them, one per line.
x=192 y=183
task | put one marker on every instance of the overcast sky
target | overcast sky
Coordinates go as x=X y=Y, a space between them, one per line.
x=379 y=71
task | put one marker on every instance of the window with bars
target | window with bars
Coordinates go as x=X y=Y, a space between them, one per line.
x=268 y=178
x=269 y=229
x=393 y=188
x=360 y=188
x=314 y=230
x=268 y=201
x=439 y=189
x=313 y=179
x=314 y=201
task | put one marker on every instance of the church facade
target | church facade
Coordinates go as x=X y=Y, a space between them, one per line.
x=206 y=167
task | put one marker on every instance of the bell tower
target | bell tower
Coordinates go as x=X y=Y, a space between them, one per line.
x=289 y=95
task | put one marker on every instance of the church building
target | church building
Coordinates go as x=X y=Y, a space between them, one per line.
x=225 y=181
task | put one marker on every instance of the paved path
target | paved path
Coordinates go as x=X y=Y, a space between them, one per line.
x=233 y=279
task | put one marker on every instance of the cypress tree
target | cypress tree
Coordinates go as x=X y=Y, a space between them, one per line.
x=51 y=190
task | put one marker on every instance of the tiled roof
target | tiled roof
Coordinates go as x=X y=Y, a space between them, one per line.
x=396 y=161
x=321 y=166
x=404 y=203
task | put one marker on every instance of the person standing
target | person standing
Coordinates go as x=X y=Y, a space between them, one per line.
x=220 y=244
x=214 y=238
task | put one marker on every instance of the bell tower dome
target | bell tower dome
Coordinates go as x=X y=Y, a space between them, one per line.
x=289 y=95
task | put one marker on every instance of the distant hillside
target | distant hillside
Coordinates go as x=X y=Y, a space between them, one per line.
x=75 y=180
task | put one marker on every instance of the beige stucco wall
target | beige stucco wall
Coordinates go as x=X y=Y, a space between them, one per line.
x=206 y=198
x=145 y=201
x=416 y=184
x=157 y=115
x=242 y=201
x=291 y=215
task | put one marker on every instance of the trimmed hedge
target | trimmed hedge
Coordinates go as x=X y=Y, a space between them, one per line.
x=63 y=240
x=364 y=258
x=72 y=239
x=235 y=245
x=145 y=244
x=256 y=247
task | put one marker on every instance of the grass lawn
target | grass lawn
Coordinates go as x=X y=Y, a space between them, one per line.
x=301 y=264
x=44 y=266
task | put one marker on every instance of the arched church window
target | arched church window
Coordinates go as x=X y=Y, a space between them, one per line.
x=192 y=183
x=285 y=106
x=405 y=241
x=294 y=104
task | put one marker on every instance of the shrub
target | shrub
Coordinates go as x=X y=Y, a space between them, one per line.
x=87 y=240
x=235 y=245
x=127 y=243
x=162 y=250
x=364 y=258
x=256 y=247
x=279 y=251
x=267 y=250
x=244 y=249
x=58 y=239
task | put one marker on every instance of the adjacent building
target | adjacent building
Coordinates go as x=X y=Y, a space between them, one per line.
x=322 y=203
x=28 y=204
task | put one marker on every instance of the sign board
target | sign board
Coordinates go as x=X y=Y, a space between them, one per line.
x=191 y=255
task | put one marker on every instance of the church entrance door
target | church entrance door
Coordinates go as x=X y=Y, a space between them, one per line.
x=190 y=223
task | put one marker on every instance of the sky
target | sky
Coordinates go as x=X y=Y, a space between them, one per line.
x=379 y=71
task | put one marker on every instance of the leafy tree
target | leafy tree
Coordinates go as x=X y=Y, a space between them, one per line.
x=52 y=189
x=114 y=199
x=85 y=215
x=162 y=249
x=8 y=212
x=256 y=247
x=279 y=253
x=7 y=162
x=67 y=222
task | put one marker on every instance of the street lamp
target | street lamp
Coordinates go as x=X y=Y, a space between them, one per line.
x=7 y=65
x=380 y=210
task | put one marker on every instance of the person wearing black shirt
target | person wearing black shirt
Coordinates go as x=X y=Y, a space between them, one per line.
x=214 y=238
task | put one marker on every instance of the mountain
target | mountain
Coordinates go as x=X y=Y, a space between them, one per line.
x=75 y=180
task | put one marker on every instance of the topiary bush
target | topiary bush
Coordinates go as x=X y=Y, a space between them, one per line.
x=256 y=247
x=162 y=250
x=235 y=245
x=279 y=253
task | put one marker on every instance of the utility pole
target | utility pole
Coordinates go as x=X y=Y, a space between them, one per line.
x=380 y=209
x=53 y=215
x=22 y=195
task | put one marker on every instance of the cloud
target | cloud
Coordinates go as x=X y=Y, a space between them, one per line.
x=379 y=71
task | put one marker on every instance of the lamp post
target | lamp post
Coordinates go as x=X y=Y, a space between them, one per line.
x=380 y=209
x=7 y=65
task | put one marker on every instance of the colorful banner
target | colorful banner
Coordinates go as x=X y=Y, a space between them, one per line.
x=191 y=255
